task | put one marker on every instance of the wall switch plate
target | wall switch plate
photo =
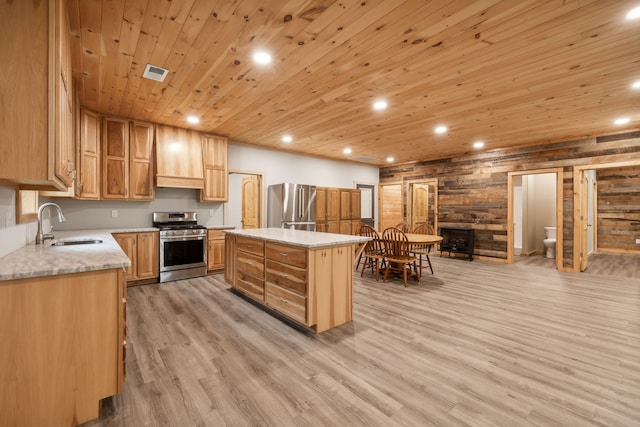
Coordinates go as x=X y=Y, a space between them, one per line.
x=114 y=214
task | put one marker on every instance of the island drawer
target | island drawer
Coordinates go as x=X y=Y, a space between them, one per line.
x=291 y=255
x=250 y=264
x=250 y=285
x=287 y=276
x=291 y=304
x=254 y=246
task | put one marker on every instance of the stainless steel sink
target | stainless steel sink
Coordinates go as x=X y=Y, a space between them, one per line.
x=76 y=241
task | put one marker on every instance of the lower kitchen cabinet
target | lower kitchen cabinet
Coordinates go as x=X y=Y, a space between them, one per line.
x=215 y=250
x=142 y=248
x=63 y=347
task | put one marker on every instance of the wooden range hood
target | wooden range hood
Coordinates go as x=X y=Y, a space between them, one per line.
x=178 y=158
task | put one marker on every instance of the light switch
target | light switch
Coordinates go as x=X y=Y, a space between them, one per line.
x=114 y=214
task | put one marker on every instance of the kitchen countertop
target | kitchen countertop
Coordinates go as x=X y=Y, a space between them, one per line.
x=307 y=239
x=46 y=260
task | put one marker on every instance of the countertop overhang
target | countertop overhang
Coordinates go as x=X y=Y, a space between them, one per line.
x=302 y=238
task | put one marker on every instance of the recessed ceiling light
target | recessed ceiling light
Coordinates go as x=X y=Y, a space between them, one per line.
x=193 y=120
x=634 y=13
x=390 y=159
x=478 y=144
x=380 y=105
x=636 y=85
x=262 y=57
x=441 y=129
x=287 y=138
x=347 y=150
x=621 y=121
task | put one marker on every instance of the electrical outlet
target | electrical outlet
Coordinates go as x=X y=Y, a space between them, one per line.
x=637 y=241
x=114 y=214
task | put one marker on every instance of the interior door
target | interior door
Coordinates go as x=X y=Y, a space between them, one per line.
x=584 y=220
x=390 y=205
x=419 y=204
x=251 y=202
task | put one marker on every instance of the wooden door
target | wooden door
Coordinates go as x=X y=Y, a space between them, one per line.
x=115 y=158
x=148 y=255
x=127 y=242
x=584 y=220
x=419 y=204
x=251 y=202
x=390 y=205
x=141 y=161
x=88 y=185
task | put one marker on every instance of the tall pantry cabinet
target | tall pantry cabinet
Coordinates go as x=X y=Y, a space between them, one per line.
x=36 y=93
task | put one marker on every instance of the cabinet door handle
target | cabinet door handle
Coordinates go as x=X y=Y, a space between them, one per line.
x=284 y=300
x=249 y=246
x=283 y=254
x=284 y=276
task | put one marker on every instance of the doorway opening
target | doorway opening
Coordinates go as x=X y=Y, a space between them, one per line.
x=367 y=206
x=535 y=215
x=606 y=220
x=245 y=212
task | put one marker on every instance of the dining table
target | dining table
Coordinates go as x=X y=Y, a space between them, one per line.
x=421 y=241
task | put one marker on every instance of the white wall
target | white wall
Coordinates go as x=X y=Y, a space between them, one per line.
x=12 y=236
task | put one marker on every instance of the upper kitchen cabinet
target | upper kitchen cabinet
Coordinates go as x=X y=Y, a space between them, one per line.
x=127 y=159
x=179 y=158
x=216 y=177
x=88 y=156
x=36 y=130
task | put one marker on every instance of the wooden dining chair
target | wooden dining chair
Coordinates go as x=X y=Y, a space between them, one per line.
x=397 y=254
x=404 y=227
x=419 y=251
x=373 y=251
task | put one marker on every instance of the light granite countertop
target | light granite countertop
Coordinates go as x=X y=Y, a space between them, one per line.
x=307 y=239
x=46 y=260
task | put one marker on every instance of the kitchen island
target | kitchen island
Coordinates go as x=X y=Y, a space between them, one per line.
x=304 y=276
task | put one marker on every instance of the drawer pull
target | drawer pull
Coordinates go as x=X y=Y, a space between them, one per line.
x=283 y=254
x=250 y=246
x=284 y=275
x=284 y=300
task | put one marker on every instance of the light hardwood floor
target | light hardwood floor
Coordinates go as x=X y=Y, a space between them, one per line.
x=477 y=344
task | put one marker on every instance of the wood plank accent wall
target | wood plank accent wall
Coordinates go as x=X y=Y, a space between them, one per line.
x=618 y=209
x=473 y=191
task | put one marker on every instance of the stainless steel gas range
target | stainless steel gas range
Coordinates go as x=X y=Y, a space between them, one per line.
x=183 y=245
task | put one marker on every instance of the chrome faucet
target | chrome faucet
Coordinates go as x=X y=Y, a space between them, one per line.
x=41 y=237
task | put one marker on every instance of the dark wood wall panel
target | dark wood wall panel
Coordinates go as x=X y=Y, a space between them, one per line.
x=473 y=189
x=619 y=208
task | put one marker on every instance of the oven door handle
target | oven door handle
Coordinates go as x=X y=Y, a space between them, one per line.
x=180 y=238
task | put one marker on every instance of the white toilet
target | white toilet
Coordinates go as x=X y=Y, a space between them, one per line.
x=550 y=241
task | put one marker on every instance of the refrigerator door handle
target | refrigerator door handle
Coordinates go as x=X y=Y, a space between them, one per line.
x=300 y=201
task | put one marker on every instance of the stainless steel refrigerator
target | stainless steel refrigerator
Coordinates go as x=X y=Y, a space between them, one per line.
x=292 y=206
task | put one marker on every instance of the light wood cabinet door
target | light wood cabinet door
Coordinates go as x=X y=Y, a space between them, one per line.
x=38 y=89
x=321 y=206
x=115 y=158
x=333 y=204
x=127 y=242
x=147 y=254
x=141 y=161
x=215 y=250
x=179 y=158
x=216 y=174
x=88 y=173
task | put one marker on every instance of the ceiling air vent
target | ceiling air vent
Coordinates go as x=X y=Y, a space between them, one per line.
x=364 y=159
x=155 y=73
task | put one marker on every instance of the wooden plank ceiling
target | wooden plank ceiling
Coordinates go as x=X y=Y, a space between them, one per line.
x=510 y=73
